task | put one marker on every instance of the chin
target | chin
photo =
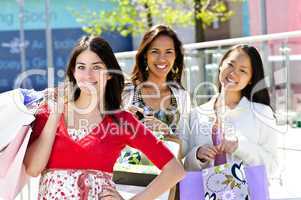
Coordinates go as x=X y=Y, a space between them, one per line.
x=233 y=89
x=89 y=91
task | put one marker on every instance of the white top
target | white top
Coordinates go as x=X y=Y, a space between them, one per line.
x=252 y=123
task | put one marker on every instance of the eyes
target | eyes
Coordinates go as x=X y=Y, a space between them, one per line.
x=94 y=67
x=242 y=70
x=156 y=51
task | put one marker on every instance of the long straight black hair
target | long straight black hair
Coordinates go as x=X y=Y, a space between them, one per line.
x=257 y=90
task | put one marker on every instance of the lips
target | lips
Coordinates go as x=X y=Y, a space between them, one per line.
x=229 y=81
x=89 y=83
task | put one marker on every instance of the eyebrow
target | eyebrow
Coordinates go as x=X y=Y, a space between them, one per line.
x=245 y=67
x=159 y=49
x=233 y=61
x=95 y=63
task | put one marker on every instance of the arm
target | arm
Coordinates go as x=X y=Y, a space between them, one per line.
x=38 y=153
x=171 y=173
x=200 y=143
x=183 y=131
x=264 y=151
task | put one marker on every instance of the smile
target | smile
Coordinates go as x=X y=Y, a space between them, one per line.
x=161 y=66
x=231 y=81
x=89 y=83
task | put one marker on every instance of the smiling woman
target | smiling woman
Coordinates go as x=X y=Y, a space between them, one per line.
x=156 y=89
x=246 y=127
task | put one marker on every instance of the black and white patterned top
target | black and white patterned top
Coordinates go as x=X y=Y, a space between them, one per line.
x=169 y=116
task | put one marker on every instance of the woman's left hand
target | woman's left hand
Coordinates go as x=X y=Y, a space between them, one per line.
x=110 y=193
x=155 y=124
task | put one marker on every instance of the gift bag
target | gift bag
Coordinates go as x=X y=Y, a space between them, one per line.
x=12 y=172
x=192 y=186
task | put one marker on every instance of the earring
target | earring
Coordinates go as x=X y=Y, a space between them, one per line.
x=146 y=65
x=175 y=71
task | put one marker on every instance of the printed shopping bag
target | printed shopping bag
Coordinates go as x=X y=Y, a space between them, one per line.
x=225 y=182
x=192 y=186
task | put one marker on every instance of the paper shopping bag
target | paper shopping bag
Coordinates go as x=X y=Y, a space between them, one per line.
x=12 y=172
x=192 y=186
x=227 y=181
x=13 y=115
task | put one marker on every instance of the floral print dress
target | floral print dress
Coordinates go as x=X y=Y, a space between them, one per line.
x=73 y=184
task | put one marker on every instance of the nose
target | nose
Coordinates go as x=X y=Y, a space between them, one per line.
x=234 y=72
x=162 y=57
x=89 y=72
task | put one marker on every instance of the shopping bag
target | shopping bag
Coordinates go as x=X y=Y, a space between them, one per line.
x=258 y=182
x=13 y=115
x=134 y=168
x=192 y=186
x=12 y=171
x=226 y=181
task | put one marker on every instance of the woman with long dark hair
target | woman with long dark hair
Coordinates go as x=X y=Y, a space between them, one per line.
x=156 y=94
x=241 y=112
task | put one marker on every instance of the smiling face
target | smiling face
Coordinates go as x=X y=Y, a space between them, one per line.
x=160 y=57
x=90 y=72
x=236 y=71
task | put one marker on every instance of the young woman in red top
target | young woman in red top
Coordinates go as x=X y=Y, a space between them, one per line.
x=75 y=144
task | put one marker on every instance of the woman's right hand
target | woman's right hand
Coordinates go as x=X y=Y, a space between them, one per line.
x=206 y=153
x=136 y=111
x=56 y=99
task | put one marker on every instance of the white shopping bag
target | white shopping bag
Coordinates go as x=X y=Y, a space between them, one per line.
x=13 y=115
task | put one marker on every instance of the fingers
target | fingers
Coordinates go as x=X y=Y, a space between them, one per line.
x=228 y=146
x=110 y=193
x=207 y=153
x=133 y=109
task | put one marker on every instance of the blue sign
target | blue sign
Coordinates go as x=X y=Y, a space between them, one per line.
x=61 y=13
x=36 y=61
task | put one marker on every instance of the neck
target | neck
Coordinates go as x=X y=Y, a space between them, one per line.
x=91 y=102
x=230 y=98
x=160 y=83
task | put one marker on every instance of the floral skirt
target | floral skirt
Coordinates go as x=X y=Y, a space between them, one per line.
x=73 y=184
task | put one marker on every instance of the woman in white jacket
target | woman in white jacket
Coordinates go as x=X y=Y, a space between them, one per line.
x=246 y=115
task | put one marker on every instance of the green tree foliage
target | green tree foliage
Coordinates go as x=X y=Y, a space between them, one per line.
x=136 y=16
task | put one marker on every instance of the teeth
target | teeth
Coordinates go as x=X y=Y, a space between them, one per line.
x=90 y=83
x=161 y=66
x=230 y=80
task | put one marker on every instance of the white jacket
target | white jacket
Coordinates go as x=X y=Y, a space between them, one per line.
x=252 y=123
x=184 y=106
